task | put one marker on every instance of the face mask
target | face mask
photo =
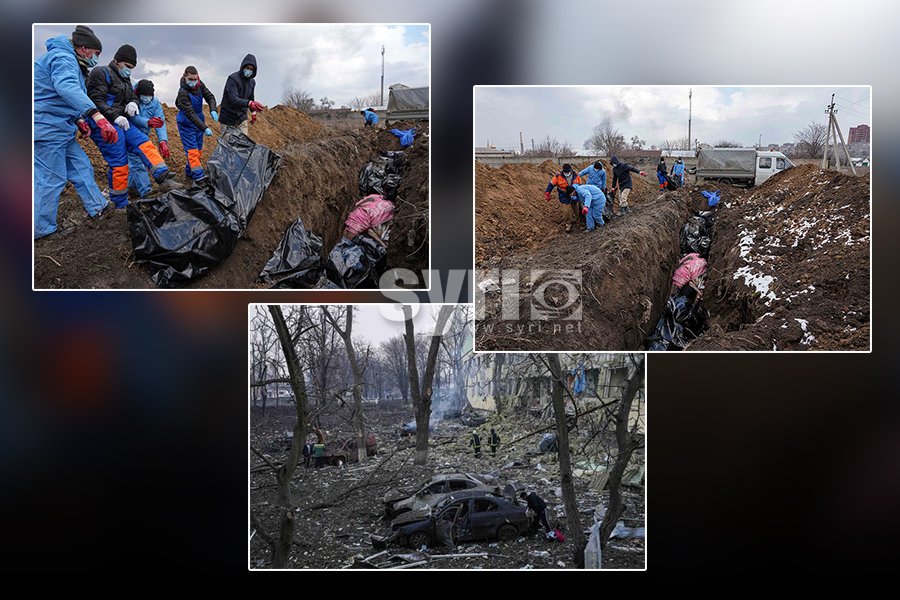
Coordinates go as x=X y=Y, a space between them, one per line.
x=93 y=60
x=192 y=83
x=125 y=72
x=146 y=99
x=248 y=73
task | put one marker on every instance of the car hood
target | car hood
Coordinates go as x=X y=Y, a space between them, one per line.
x=412 y=516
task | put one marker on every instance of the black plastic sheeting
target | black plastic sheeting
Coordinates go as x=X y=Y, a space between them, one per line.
x=297 y=262
x=683 y=320
x=696 y=234
x=356 y=263
x=382 y=175
x=180 y=235
x=360 y=262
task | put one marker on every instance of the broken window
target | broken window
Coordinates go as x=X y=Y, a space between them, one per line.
x=456 y=486
x=765 y=162
x=484 y=505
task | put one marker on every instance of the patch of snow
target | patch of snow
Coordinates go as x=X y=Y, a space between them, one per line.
x=808 y=338
x=757 y=281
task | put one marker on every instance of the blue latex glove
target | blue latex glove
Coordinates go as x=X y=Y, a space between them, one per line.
x=208 y=132
x=215 y=116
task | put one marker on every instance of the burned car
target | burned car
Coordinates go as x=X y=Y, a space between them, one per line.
x=462 y=517
x=344 y=451
x=422 y=498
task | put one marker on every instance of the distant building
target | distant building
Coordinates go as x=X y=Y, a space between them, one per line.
x=492 y=152
x=860 y=133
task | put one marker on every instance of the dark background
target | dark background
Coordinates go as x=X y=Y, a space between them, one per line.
x=124 y=417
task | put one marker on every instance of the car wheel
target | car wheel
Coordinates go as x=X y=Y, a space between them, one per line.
x=727 y=180
x=419 y=539
x=507 y=533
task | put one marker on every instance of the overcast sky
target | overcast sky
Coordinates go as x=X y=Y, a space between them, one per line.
x=657 y=113
x=337 y=61
x=376 y=323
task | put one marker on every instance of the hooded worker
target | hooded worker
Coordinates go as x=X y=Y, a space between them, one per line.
x=370 y=116
x=678 y=172
x=592 y=199
x=563 y=179
x=238 y=97
x=112 y=92
x=61 y=106
x=594 y=174
x=622 y=181
x=191 y=121
x=150 y=115
x=661 y=174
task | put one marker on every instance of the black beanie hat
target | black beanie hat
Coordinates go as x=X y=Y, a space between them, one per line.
x=144 y=88
x=598 y=165
x=126 y=53
x=84 y=36
x=566 y=168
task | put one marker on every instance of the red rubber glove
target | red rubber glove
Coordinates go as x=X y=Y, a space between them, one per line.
x=547 y=196
x=584 y=211
x=107 y=131
x=253 y=117
x=155 y=122
x=83 y=128
x=256 y=106
x=642 y=174
x=164 y=149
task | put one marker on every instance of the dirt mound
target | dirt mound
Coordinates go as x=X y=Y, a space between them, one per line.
x=791 y=265
x=408 y=246
x=625 y=269
x=511 y=214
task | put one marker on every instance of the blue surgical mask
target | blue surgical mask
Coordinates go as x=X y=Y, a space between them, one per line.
x=192 y=83
x=125 y=72
x=248 y=73
x=146 y=99
x=93 y=60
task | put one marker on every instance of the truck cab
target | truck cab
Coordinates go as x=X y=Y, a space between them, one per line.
x=770 y=163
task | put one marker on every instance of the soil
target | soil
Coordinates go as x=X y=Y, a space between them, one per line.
x=331 y=537
x=806 y=229
x=511 y=214
x=317 y=181
x=809 y=230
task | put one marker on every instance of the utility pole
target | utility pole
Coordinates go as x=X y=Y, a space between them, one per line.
x=521 y=143
x=381 y=102
x=532 y=144
x=690 y=110
x=834 y=132
x=759 y=144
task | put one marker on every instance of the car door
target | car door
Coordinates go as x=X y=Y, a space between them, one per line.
x=445 y=524
x=765 y=168
x=484 y=520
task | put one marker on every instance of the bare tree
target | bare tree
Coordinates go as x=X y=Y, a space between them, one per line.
x=454 y=343
x=421 y=391
x=281 y=545
x=565 y=460
x=810 y=141
x=605 y=139
x=324 y=102
x=676 y=144
x=551 y=147
x=393 y=351
x=347 y=335
x=637 y=143
x=361 y=102
x=728 y=144
x=626 y=444
x=299 y=99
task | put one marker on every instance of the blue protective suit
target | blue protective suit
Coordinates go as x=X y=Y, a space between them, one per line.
x=371 y=118
x=594 y=200
x=406 y=136
x=60 y=99
x=580 y=382
x=191 y=123
x=594 y=176
x=138 y=178
x=678 y=172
